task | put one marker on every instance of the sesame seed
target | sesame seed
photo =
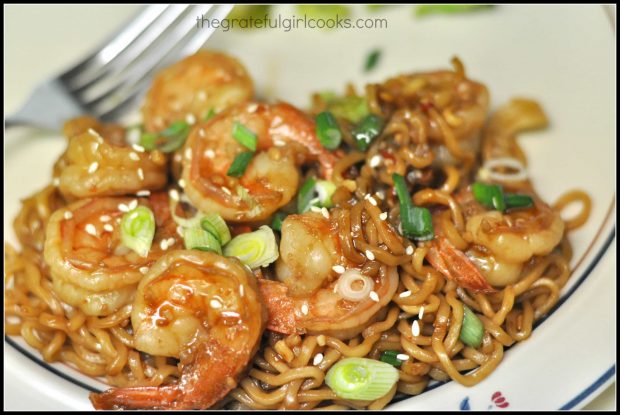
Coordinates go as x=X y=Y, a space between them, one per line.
x=90 y=229
x=383 y=216
x=304 y=309
x=380 y=195
x=375 y=160
x=226 y=190
x=215 y=304
x=191 y=119
x=143 y=193
x=409 y=250
x=134 y=156
x=252 y=107
x=93 y=167
x=370 y=255
x=55 y=181
x=372 y=201
x=317 y=359
x=144 y=270
x=241 y=292
x=108 y=228
x=320 y=340
x=133 y=204
x=339 y=269
x=400 y=228
x=279 y=143
x=123 y=207
x=325 y=212
x=171 y=241
x=138 y=148
x=415 y=328
x=140 y=173
x=421 y=312
x=202 y=95
x=209 y=154
x=94 y=133
x=95 y=146
x=366 y=196
x=374 y=296
x=68 y=215
x=182 y=183
x=315 y=209
x=188 y=153
x=202 y=133
x=402 y=356
x=163 y=244
x=104 y=218
x=180 y=231
x=405 y=294
x=174 y=194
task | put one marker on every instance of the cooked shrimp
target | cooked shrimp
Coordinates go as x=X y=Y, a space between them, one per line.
x=307 y=298
x=194 y=86
x=90 y=267
x=286 y=139
x=203 y=309
x=94 y=166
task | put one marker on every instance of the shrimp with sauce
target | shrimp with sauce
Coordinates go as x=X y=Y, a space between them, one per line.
x=191 y=88
x=90 y=267
x=318 y=290
x=99 y=162
x=285 y=140
x=203 y=309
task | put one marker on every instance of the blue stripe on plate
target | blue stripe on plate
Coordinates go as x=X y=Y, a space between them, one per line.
x=590 y=389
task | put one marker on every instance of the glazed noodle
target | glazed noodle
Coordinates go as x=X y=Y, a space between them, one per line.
x=179 y=328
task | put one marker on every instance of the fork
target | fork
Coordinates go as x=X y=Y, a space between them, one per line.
x=108 y=81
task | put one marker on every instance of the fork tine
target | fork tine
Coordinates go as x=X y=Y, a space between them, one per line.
x=134 y=88
x=92 y=79
x=115 y=45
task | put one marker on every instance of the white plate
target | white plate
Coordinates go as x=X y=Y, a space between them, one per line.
x=562 y=56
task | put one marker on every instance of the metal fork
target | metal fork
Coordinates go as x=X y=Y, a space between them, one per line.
x=107 y=82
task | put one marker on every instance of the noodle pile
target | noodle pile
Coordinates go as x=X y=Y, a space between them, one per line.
x=423 y=320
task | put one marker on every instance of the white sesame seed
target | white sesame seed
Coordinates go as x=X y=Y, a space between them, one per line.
x=375 y=160
x=191 y=119
x=202 y=133
x=202 y=95
x=409 y=250
x=104 y=218
x=252 y=107
x=68 y=215
x=400 y=228
x=133 y=204
x=143 y=193
x=338 y=269
x=140 y=173
x=163 y=244
x=304 y=309
x=320 y=340
x=215 y=304
x=241 y=292
x=380 y=195
x=209 y=154
x=174 y=194
x=188 y=153
x=123 y=207
x=315 y=209
x=90 y=229
x=171 y=241
x=180 y=231
x=182 y=183
x=372 y=201
x=374 y=296
x=383 y=216
x=370 y=255
x=325 y=212
x=405 y=294
x=108 y=228
x=421 y=312
x=55 y=181
x=279 y=143
x=415 y=328
x=93 y=167
x=95 y=146
x=134 y=156
x=366 y=196
x=403 y=357
x=138 y=148
x=93 y=133
x=144 y=270
x=317 y=359
x=226 y=190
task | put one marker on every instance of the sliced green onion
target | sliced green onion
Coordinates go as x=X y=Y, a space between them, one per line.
x=489 y=195
x=138 y=230
x=306 y=197
x=325 y=190
x=198 y=238
x=244 y=136
x=175 y=136
x=366 y=131
x=254 y=249
x=351 y=108
x=278 y=218
x=215 y=224
x=240 y=164
x=372 y=59
x=210 y=114
x=472 y=328
x=389 y=356
x=426 y=9
x=416 y=221
x=361 y=379
x=328 y=131
x=518 y=201
x=148 y=141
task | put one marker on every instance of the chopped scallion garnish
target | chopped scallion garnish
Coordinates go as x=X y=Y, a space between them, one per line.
x=367 y=129
x=240 y=164
x=472 y=328
x=278 y=218
x=328 y=131
x=198 y=238
x=361 y=379
x=254 y=249
x=138 y=230
x=148 y=141
x=352 y=108
x=518 y=201
x=372 y=59
x=175 y=136
x=210 y=114
x=489 y=195
x=416 y=221
x=389 y=356
x=244 y=136
x=306 y=196
x=215 y=224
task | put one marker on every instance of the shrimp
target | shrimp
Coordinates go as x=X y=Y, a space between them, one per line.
x=90 y=267
x=306 y=299
x=191 y=88
x=285 y=140
x=203 y=309
x=96 y=166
